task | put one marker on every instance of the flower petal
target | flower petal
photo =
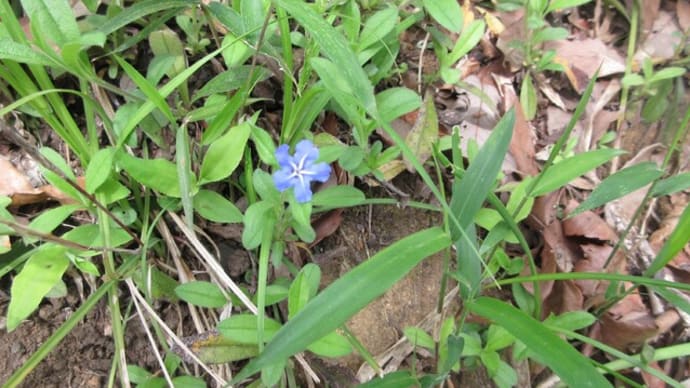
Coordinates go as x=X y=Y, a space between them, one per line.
x=306 y=149
x=283 y=179
x=282 y=155
x=320 y=172
x=302 y=191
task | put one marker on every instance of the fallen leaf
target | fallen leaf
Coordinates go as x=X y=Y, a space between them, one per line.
x=683 y=14
x=586 y=56
x=566 y=296
x=14 y=183
x=662 y=41
x=326 y=224
x=627 y=325
x=588 y=224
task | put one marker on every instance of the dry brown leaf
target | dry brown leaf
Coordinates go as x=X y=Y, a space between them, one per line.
x=662 y=41
x=628 y=324
x=326 y=225
x=587 y=224
x=522 y=143
x=585 y=56
x=648 y=15
x=17 y=186
x=683 y=14
x=566 y=296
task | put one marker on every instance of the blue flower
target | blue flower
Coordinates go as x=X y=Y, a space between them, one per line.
x=300 y=170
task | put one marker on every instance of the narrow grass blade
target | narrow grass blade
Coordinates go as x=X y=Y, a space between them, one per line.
x=346 y=296
x=469 y=193
x=619 y=184
x=570 y=168
x=546 y=347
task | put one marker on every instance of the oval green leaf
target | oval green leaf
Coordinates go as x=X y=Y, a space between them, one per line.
x=201 y=293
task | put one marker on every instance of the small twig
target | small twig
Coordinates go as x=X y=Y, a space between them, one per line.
x=27 y=232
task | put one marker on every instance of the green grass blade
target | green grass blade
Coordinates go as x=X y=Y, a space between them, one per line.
x=469 y=193
x=619 y=184
x=637 y=280
x=346 y=296
x=572 y=367
x=335 y=47
x=570 y=168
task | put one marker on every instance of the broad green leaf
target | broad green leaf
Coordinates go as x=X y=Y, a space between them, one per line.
x=237 y=53
x=446 y=12
x=546 y=347
x=275 y=293
x=570 y=168
x=419 y=337
x=350 y=293
x=50 y=219
x=90 y=235
x=112 y=190
x=562 y=4
x=338 y=196
x=201 y=293
x=241 y=328
x=469 y=193
x=619 y=184
x=214 y=207
x=303 y=288
x=265 y=187
x=667 y=73
x=378 y=26
x=157 y=174
x=571 y=320
x=675 y=243
x=470 y=37
x=264 y=146
x=672 y=184
x=498 y=338
x=336 y=48
x=42 y=271
x=528 y=97
x=18 y=52
x=258 y=220
x=160 y=284
x=424 y=133
x=224 y=155
x=99 y=168
x=55 y=18
x=332 y=345
x=395 y=102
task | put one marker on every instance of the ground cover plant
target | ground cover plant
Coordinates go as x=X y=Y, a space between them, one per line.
x=341 y=193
